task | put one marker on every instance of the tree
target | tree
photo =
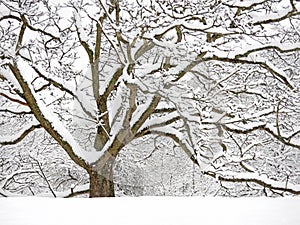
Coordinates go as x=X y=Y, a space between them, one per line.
x=218 y=78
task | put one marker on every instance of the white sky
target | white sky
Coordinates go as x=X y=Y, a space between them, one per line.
x=150 y=211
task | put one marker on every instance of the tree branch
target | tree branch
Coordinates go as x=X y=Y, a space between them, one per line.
x=21 y=136
x=150 y=109
x=13 y=99
x=269 y=47
x=274 y=20
x=264 y=128
x=15 y=112
x=61 y=87
x=45 y=123
x=180 y=142
x=250 y=177
x=264 y=65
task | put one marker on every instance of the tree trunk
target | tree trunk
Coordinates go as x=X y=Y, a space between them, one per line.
x=101 y=178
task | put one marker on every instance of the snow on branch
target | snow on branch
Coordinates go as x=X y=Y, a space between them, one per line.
x=47 y=119
x=42 y=31
x=81 y=33
x=63 y=86
x=143 y=112
x=64 y=133
x=244 y=5
x=264 y=127
x=5 y=17
x=16 y=138
x=161 y=121
x=289 y=14
x=82 y=37
x=277 y=73
x=72 y=192
x=7 y=76
x=259 y=179
x=177 y=137
x=15 y=112
x=4 y=182
x=13 y=99
x=277 y=46
x=105 y=90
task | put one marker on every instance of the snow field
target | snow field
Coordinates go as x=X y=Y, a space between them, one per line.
x=150 y=211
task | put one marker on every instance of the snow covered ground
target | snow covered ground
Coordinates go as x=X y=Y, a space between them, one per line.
x=150 y=211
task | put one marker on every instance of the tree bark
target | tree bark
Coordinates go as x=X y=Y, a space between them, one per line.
x=101 y=178
x=101 y=172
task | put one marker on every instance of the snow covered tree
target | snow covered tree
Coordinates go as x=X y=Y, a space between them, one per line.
x=218 y=78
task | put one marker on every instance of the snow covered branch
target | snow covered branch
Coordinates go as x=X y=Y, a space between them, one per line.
x=261 y=180
x=185 y=146
x=13 y=99
x=278 y=75
x=264 y=127
x=11 y=140
x=43 y=116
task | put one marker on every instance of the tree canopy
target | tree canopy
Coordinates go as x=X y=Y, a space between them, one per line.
x=219 y=79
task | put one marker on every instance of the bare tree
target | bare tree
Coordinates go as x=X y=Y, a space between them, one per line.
x=219 y=78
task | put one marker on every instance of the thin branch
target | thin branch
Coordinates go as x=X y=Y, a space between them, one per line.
x=13 y=99
x=10 y=17
x=249 y=7
x=44 y=176
x=108 y=39
x=15 y=112
x=85 y=45
x=21 y=136
x=146 y=114
x=112 y=84
x=147 y=46
x=264 y=65
x=65 y=89
x=77 y=193
x=148 y=130
x=264 y=128
x=261 y=182
x=189 y=67
x=165 y=110
x=274 y=20
x=270 y=47
x=180 y=142
x=21 y=34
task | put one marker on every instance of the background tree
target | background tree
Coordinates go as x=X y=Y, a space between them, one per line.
x=218 y=78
